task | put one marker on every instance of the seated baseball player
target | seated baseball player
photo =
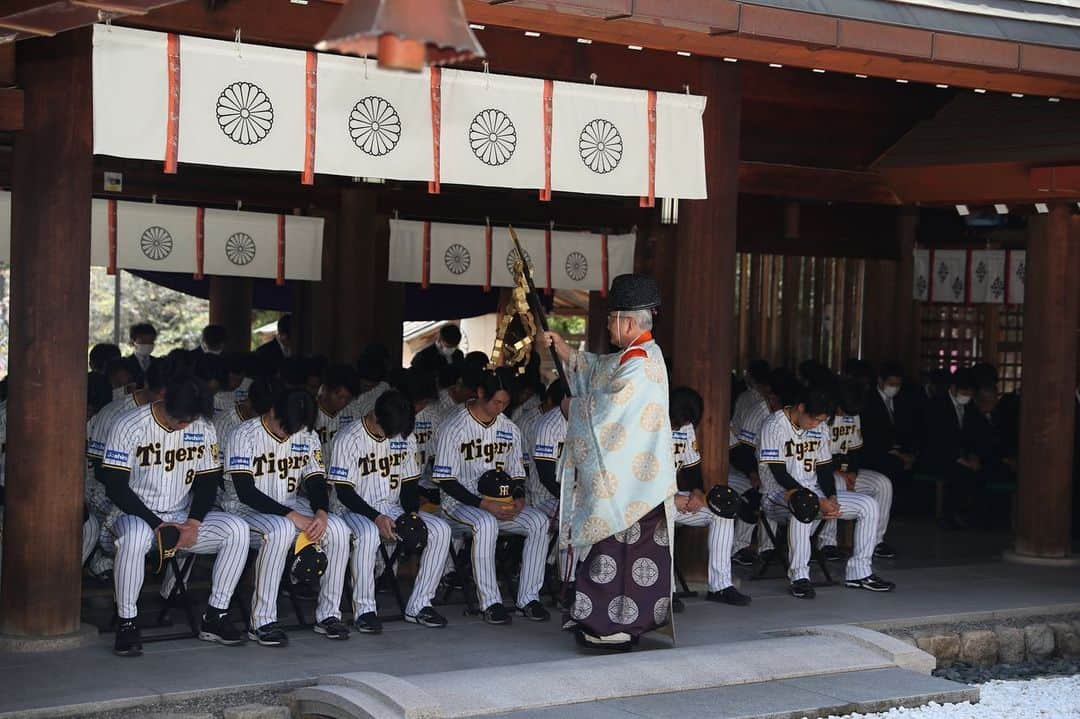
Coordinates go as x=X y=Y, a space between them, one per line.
x=422 y=390
x=374 y=470
x=270 y=457
x=471 y=441
x=794 y=452
x=334 y=394
x=846 y=440
x=685 y=411
x=161 y=468
x=544 y=436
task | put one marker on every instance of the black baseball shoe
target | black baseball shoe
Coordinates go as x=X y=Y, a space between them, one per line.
x=884 y=551
x=368 y=623
x=873 y=583
x=802 y=589
x=729 y=595
x=332 y=628
x=534 y=611
x=745 y=557
x=497 y=614
x=128 y=639
x=216 y=627
x=427 y=617
x=269 y=635
x=832 y=553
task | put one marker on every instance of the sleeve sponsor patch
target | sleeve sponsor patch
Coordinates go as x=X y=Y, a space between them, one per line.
x=239 y=462
x=116 y=455
x=441 y=470
x=544 y=450
x=746 y=435
x=679 y=435
x=197 y=437
x=96 y=448
x=339 y=472
x=770 y=454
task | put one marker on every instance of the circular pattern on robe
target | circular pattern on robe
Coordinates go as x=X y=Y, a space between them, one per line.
x=512 y=257
x=582 y=608
x=645 y=466
x=604 y=485
x=492 y=137
x=645 y=572
x=579 y=448
x=374 y=126
x=612 y=437
x=240 y=248
x=244 y=113
x=653 y=417
x=600 y=146
x=156 y=243
x=623 y=395
x=630 y=535
x=655 y=370
x=661 y=610
x=602 y=569
x=457 y=259
x=635 y=511
x=594 y=529
x=660 y=534
x=577 y=266
x=622 y=610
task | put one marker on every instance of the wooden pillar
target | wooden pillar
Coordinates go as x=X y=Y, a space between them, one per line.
x=1044 y=498
x=230 y=307
x=320 y=295
x=906 y=314
x=356 y=229
x=661 y=242
x=596 y=325
x=789 y=312
x=818 y=352
x=705 y=267
x=50 y=290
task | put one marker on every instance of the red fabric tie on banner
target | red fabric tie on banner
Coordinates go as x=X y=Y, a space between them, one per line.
x=487 y=258
x=310 y=99
x=545 y=194
x=111 y=213
x=425 y=278
x=200 y=241
x=172 y=120
x=436 y=120
x=603 y=264
x=280 y=250
x=547 y=255
x=650 y=199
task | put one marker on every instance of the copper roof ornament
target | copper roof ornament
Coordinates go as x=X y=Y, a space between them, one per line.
x=403 y=34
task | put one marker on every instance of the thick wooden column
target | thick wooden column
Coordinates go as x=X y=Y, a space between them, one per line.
x=321 y=295
x=906 y=312
x=1044 y=498
x=50 y=289
x=704 y=312
x=230 y=307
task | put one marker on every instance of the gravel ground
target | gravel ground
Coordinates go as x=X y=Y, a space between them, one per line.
x=211 y=704
x=967 y=674
x=901 y=631
x=1046 y=698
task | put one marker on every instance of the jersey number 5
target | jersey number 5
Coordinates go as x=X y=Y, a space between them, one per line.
x=808 y=465
x=395 y=482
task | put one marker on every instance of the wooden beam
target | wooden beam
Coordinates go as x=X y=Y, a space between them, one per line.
x=982 y=183
x=815 y=183
x=11 y=109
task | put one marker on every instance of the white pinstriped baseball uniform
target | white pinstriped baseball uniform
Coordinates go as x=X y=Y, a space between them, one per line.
x=545 y=435
x=162 y=466
x=526 y=421
x=361 y=405
x=846 y=436
x=224 y=424
x=529 y=407
x=425 y=426
x=744 y=533
x=280 y=465
x=465 y=448
x=801 y=453
x=721 y=530
x=747 y=426
x=377 y=468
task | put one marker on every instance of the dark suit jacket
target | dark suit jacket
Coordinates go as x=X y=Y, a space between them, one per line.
x=945 y=440
x=270 y=355
x=431 y=360
x=881 y=433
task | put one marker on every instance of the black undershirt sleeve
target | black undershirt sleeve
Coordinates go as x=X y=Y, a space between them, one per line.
x=456 y=490
x=1 y=495
x=204 y=492
x=123 y=496
x=410 y=495
x=318 y=492
x=854 y=460
x=689 y=479
x=826 y=479
x=742 y=456
x=782 y=477
x=545 y=470
x=252 y=497
x=354 y=502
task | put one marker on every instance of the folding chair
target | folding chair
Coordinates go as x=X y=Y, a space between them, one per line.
x=178 y=598
x=388 y=578
x=780 y=553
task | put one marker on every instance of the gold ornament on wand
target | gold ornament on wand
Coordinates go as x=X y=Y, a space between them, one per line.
x=514 y=339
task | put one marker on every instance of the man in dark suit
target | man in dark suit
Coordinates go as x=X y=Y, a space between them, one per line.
x=271 y=354
x=442 y=352
x=948 y=452
x=888 y=425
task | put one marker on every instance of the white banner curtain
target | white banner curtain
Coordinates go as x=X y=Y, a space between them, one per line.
x=303 y=248
x=458 y=254
x=599 y=140
x=155 y=237
x=131 y=85
x=491 y=130
x=372 y=122
x=407 y=252
x=1017 y=270
x=680 y=146
x=986 y=277
x=241 y=244
x=504 y=254
x=921 y=287
x=949 y=273
x=242 y=105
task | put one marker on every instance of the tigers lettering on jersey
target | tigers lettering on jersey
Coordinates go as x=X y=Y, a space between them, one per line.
x=277 y=464
x=846 y=434
x=804 y=451
x=384 y=466
x=465 y=448
x=800 y=451
x=475 y=449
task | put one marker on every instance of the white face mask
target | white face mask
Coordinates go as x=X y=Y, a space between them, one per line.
x=207 y=350
x=144 y=350
x=890 y=391
x=962 y=399
x=445 y=351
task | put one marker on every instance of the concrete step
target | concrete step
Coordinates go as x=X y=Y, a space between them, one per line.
x=814 y=653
